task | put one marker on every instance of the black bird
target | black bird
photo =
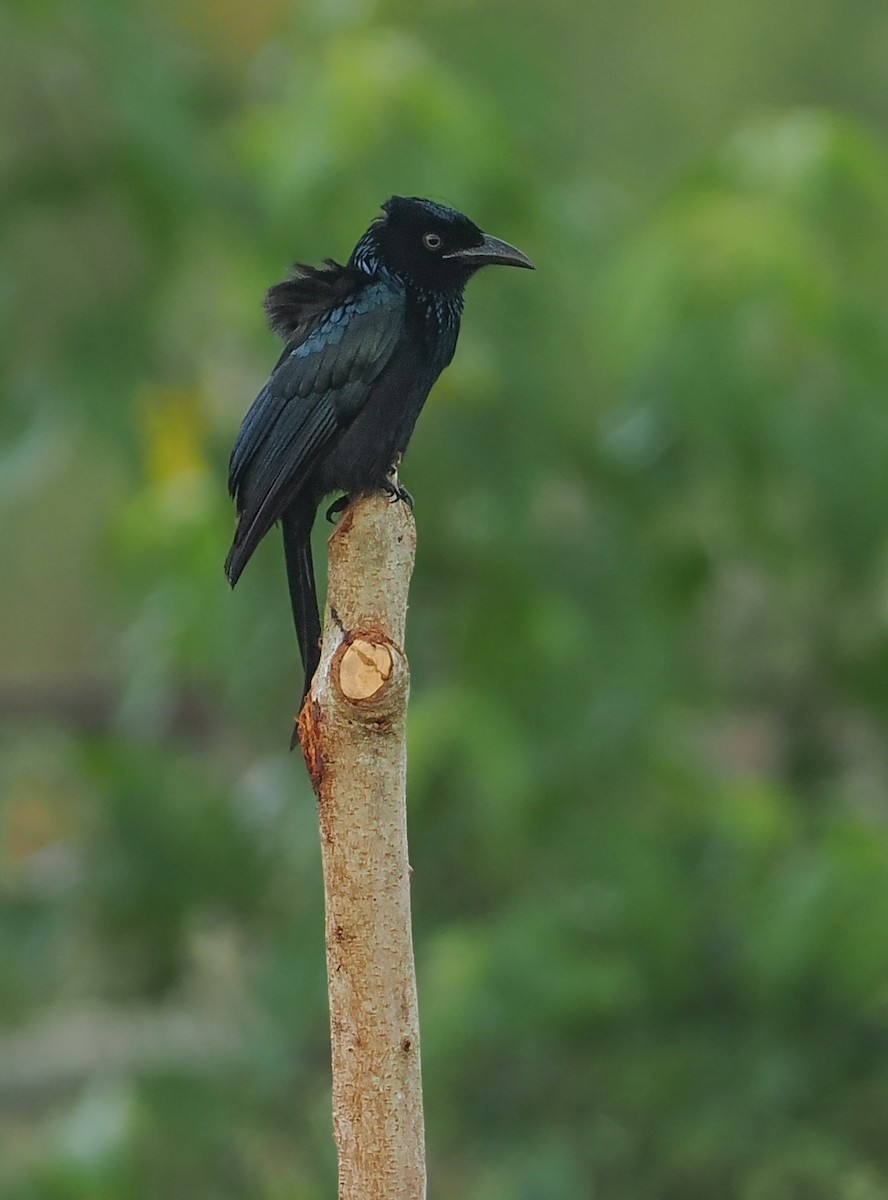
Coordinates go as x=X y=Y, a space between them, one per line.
x=364 y=345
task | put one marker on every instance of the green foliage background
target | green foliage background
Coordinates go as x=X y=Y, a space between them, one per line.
x=649 y=624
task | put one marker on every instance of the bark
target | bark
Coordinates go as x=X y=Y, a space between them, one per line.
x=352 y=732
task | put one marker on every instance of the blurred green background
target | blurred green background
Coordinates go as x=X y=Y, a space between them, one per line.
x=648 y=627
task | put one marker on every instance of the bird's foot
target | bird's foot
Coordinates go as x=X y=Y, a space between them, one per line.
x=337 y=507
x=392 y=487
x=397 y=493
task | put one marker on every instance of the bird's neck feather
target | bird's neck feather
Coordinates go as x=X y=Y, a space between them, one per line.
x=440 y=309
x=434 y=313
x=443 y=304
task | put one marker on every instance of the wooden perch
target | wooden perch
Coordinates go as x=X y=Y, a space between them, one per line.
x=352 y=733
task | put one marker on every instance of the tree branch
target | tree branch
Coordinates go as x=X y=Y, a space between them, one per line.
x=352 y=729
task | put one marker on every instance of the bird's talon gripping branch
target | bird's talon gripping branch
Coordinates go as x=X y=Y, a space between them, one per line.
x=394 y=489
x=337 y=507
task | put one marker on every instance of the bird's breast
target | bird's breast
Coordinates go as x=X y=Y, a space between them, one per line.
x=436 y=318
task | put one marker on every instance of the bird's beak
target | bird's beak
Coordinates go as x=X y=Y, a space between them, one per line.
x=492 y=252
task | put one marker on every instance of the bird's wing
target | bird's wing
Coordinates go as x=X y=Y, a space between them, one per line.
x=314 y=392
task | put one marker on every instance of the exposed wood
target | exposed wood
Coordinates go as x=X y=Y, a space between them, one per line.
x=352 y=729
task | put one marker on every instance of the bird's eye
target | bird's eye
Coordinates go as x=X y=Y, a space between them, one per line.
x=432 y=241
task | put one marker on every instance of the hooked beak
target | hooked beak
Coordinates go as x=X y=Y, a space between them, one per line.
x=492 y=252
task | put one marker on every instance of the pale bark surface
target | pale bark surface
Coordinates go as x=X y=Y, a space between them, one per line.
x=353 y=735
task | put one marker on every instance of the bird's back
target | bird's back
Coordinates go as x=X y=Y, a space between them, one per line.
x=296 y=306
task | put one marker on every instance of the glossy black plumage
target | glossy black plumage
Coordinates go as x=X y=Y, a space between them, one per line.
x=364 y=345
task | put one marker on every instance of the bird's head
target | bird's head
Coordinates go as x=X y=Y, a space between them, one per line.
x=432 y=246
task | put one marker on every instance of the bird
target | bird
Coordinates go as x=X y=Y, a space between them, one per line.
x=364 y=344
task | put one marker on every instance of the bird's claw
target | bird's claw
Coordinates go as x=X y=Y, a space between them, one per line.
x=393 y=488
x=337 y=507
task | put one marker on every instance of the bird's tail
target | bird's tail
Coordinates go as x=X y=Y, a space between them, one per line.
x=296 y=524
